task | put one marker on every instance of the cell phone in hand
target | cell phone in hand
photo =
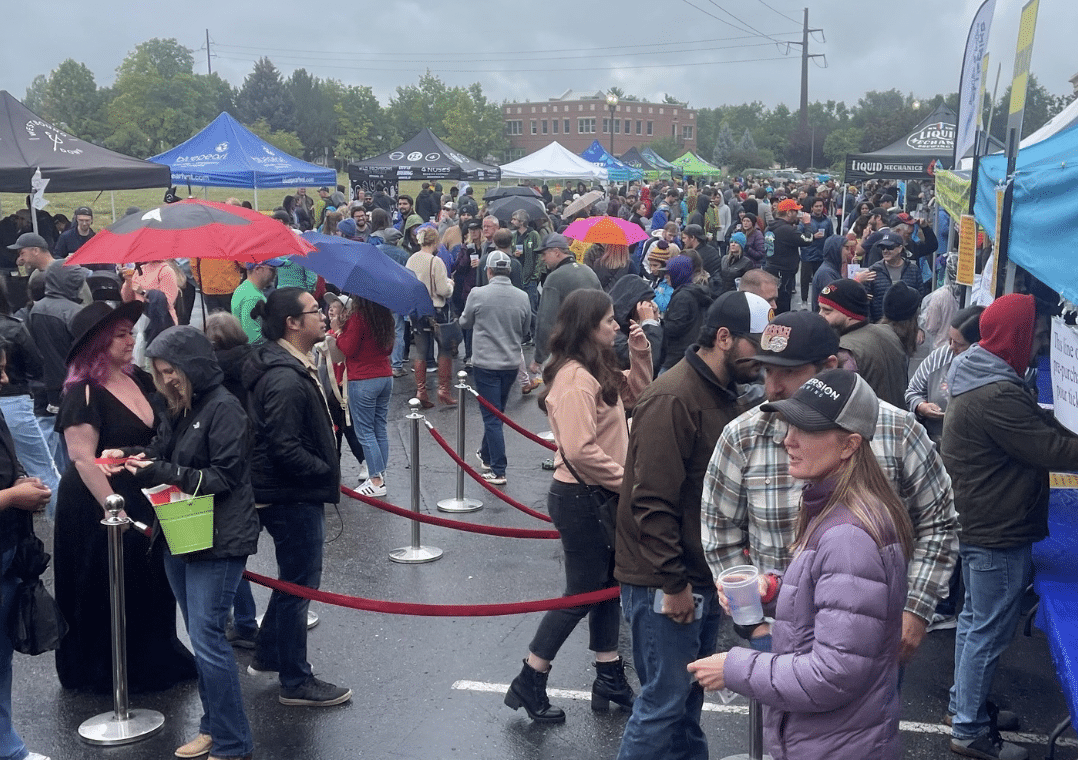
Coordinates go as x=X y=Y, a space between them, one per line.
x=697 y=603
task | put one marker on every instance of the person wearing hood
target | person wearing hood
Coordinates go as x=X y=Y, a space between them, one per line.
x=202 y=446
x=998 y=446
x=634 y=300
x=685 y=313
x=786 y=235
x=410 y=230
x=754 y=239
x=735 y=263
x=837 y=253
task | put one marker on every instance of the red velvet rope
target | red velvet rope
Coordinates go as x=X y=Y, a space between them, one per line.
x=479 y=478
x=490 y=530
x=526 y=433
x=434 y=610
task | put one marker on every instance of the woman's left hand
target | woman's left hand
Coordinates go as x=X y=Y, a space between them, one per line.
x=136 y=463
x=637 y=339
x=708 y=671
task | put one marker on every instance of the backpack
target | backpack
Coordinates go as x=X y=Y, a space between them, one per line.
x=769 y=244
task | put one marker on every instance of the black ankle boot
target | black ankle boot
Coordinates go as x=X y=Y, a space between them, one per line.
x=610 y=686
x=529 y=690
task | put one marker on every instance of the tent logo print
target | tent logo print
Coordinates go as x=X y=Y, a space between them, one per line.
x=221 y=147
x=49 y=132
x=415 y=155
x=938 y=136
x=433 y=156
x=396 y=155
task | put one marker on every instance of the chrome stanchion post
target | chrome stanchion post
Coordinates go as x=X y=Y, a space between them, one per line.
x=123 y=725
x=459 y=503
x=416 y=553
x=756 y=735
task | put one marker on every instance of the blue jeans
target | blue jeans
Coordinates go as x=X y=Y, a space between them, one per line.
x=368 y=401
x=396 y=357
x=31 y=446
x=244 y=612
x=589 y=566
x=55 y=441
x=666 y=715
x=204 y=589
x=11 y=746
x=996 y=580
x=298 y=531
x=493 y=385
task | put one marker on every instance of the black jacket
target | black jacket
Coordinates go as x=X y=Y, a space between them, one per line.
x=23 y=358
x=626 y=294
x=711 y=259
x=49 y=320
x=207 y=449
x=783 y=242
x=295 y=450
x=682 y=321
x=14 y=523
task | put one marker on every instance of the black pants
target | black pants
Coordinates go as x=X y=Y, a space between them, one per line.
x=808 y=271
x=787 y=280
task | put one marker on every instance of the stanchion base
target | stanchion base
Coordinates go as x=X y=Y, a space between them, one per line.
x=105 y=730
x=459 y=505
x=744 y=756
x=411 y=555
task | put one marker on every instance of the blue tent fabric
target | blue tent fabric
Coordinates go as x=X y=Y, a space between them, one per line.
x=617 y=171
x=227 y=154
x=1044 y=214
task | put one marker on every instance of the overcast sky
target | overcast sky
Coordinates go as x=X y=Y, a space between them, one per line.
x=537 y=50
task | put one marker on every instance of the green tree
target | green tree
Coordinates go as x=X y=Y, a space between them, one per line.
x=838 y=144
x=746 y=143
x=667 y=147
x=263 y=96
x=34 y=99
x=724 y=146
x=315 y=118
x=741 y=159
x=417 y=106
x=1041 y=106
x=670 y=100
x=363 y=128
x=473 y=125
x=73 y=102
x=288 y=142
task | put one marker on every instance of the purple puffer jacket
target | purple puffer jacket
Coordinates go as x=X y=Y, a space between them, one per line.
x=830 y=685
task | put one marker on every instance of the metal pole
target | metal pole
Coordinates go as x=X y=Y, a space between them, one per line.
x=416 y=553
x=756 y=735
x=123 y=725
x=459 y=503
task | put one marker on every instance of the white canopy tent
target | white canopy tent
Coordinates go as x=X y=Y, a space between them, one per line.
x=552 y=162
x=1057 y=123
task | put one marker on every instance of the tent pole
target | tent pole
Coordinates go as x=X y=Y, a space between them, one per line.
x=256 y=196
x=112 y=195
x=842 y=211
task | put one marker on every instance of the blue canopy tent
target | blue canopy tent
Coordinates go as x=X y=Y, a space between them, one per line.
x=656 y=160
x=227 y=154
x=617 y=171
x=1044 y=215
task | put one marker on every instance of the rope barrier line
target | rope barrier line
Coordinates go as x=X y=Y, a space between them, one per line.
x=490 y=530
x=501 y=416
x=479 y=478
x=434 y=610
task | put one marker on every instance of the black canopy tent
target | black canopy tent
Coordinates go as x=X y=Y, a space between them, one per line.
x=916 y=156
x=28 y=143
x=425 y=156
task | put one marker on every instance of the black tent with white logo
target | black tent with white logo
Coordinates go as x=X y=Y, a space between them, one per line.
x=915 y=156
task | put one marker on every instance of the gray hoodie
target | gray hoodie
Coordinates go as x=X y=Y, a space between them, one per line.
x=49 y=323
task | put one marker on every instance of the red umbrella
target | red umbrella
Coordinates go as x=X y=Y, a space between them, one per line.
x=191 y=229
x=605 y=229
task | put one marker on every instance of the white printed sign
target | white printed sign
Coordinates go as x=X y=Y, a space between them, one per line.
x=1065 y=374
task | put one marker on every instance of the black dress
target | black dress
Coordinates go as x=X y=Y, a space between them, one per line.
x=156 y=659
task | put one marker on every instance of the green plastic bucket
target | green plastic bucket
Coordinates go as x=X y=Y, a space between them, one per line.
x=187 y=524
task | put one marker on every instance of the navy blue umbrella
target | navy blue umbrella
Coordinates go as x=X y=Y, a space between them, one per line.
x=363 y=270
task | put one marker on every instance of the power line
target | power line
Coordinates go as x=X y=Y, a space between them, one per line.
x=724 y=21
x=788 y=18
x=746 y=23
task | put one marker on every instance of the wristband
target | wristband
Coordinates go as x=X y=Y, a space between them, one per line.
x=772 y=588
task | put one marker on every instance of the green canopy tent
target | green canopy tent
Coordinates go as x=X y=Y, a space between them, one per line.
x=694 y=166
x=656 y=160
x=635 y=159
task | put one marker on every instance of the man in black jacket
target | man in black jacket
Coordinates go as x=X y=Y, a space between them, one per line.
x=695 y=239
x=295 y=471
x=782 y=241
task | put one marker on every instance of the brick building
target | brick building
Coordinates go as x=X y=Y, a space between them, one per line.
x=576 y=119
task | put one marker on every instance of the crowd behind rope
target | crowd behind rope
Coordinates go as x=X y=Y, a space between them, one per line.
x=687 y=332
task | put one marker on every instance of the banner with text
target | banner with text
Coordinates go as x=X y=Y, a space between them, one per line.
x=1065 y=374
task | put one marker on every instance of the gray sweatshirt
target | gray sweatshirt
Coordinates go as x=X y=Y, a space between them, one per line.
x=499 y=314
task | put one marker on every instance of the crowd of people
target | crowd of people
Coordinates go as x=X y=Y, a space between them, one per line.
x=780 y=431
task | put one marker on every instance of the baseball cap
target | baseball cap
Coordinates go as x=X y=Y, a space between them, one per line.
x=848 y=297
x=554 y=240
x=833 y=399
x=694 y=230
x=879 y=211
x=499 y=262
x=449 y=205
x=83 y=211
x=796 y=338
x=903 y=218
x=29 y=240
x=789 y=204
x=890 y=240
x=267 y=263
x=474 y=224
x=739 y=312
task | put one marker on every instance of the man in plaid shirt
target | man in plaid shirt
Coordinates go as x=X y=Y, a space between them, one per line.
x=750 y=503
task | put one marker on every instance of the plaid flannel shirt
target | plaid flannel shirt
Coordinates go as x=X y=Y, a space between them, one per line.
x=750 y=502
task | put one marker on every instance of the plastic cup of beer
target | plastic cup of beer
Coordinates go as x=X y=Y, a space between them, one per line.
x=741 y=586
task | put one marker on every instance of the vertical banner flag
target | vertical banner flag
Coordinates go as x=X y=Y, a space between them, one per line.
x=980 y=94
x=1023 y=55
x=970 y=89
x=967 y=250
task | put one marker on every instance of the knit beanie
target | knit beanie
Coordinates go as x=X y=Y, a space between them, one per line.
x=680 y=270
x=848 y=297
x=739 y=238
x=901 y=302
x=1007 y=329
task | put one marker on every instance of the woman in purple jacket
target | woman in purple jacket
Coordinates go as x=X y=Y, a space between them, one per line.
x=831 y=680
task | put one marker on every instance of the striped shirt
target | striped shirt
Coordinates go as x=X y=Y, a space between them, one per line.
x=750 y=502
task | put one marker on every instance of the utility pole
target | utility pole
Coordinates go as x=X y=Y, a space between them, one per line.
x=209 y=69
x=804 y=114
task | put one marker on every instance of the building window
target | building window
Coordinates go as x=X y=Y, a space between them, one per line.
x=585 y=126
x=661 y=111
x=651 y=128
x=686 y=132
x=639 y=126
x=535 y=128
x=556 y=124
x=628 y=126
x=606 y=126
x=617 y=126
x=592 y=107
x=673 y=130
x=566 y=127
x=544 y=126
x=515 y=127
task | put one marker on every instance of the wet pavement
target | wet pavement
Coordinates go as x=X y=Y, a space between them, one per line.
x=431 y=688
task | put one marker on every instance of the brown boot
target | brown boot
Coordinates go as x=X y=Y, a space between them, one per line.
x=419 y=366
x=445 y=381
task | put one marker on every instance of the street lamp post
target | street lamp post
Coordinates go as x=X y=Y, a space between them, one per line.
x=612 y=101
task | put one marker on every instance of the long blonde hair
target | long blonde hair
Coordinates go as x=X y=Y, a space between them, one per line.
x=864 y=489
x=179 y=402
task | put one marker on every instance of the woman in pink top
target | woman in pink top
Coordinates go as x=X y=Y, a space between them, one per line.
x=585 y=399
x=155 y=275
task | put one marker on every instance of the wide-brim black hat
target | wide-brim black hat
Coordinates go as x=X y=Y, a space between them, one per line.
x=98 y=316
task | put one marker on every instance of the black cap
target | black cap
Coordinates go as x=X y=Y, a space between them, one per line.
x=890 y=239
x=796 y=338
x=694 y=230
x=835 y=398
x=901 y=302
x=739 y=312
x=474 y=224
x=83 y=211
x=29 y=240
x=848 y=297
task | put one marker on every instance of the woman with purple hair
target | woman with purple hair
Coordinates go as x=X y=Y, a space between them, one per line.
x=108 y=403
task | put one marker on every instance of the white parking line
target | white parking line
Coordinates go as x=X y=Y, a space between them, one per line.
x=906 y=725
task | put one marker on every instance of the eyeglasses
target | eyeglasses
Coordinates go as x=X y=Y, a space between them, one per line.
x=315 y=311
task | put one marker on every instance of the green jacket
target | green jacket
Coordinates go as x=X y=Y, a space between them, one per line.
x=530 y=262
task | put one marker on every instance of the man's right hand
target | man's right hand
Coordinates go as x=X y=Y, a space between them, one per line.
x=29 y=494
x=679 y=607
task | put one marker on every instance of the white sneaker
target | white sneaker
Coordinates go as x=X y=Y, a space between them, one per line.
x=37 y=756
x=483 y=466
x=494 y=479
x=370 y=489
x=363 y=472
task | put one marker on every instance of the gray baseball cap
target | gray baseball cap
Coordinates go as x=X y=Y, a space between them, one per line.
x=835 y=398
x=29 y=240
x=499 y=262
x=555 y=240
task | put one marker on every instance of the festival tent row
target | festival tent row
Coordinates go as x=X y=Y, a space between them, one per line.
x=694 y=166
x=915 y=156
x=615 y=169
x=553 y=162
x=28 y=143
x=656 y=160
x=635 y=159
x=227 y=154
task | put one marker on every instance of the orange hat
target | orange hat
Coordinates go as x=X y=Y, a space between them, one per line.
x=788 y=205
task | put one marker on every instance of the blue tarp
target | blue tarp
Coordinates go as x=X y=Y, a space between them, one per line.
x=1044 y=215
x=617 y=171
x=227 y=154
